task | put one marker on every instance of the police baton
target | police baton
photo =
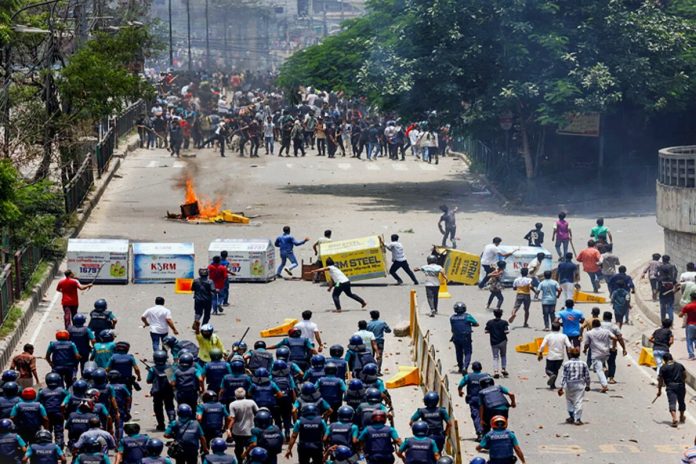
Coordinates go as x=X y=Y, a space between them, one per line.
x=243 y=336
x=95 y=278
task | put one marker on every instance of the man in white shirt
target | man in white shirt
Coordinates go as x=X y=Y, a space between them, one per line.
x=338 y=284
x=433 y=273
x=242 y=412
x=398 y=259
x=309 y=329
x=489 y=258
x=369 y=339
x=558 y=343
x=159 y=319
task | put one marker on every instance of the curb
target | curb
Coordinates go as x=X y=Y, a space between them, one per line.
x=29 y=306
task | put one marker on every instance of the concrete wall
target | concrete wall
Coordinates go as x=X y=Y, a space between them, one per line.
x=676 y=208
x=681 y=247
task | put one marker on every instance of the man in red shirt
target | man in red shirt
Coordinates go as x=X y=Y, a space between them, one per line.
x=591 y=259
x=689 y=310
x=69 y=287
x=218 y=274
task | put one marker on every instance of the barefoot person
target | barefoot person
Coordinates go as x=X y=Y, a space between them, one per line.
x=339 y=284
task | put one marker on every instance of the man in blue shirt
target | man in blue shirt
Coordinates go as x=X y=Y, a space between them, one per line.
x=286 y=243
x=379 y=328
x=568 y=275
x=550 y=290
x=571 y=319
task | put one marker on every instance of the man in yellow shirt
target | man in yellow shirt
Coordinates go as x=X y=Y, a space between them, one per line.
x=207 y=341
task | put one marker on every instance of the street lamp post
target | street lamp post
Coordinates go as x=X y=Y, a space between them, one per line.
x=171 y=41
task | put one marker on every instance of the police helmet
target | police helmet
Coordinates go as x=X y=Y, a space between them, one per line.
x=498 y=422
x=53 y=379
x=373 y=395
x=336 y=351
x=355 y=340
x=207 y=330
x=263 y=419
x=356 y=385
x=318 y=361
x=346 y=413
x=308 y=389
x=431 y=399
x=62 y=335
x=294 y=332
x=343 y=453
x=283 y=352
x=100 y=305
x=184 y=411
x=486 y=382
x=99 y=376
x=476 y=460
x=432 y=259
x=115 y=377
x=240 y=346
x=369 y=369
x=379 y=417
x=186 y=359
x=154 y=447
x=28 y=394
x=79 y=388
x=262 y=373
x=258 y=454
x=260 y=345
x=6 y=425
x=160 y=357
x=107 y=335
x=10 y=389
x=237 y=366
x=215 y=354
x=43 y=436
x=459 y=307
x=279 y=365
x=10 y=375
x=218 y=445
x=169 y=341
x=122 y=346
x=310 y=410
x=79 y=320
x=419 y=428
x=331 y=369
x=210 y=396
x=91 y=445
x=131 y=428
x=449 y=460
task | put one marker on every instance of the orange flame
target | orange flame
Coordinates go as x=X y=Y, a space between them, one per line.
x=207 y=208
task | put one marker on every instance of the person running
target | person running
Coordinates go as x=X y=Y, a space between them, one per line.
x=535 y=237
x=651 y=271
x=557 y=344
x=575 y=382
x=662 y=339
x=621 y=303
x=600 y=230
x=599 y=340
x=673 y=378
x=571 y=319
x=562 y=235
x=550 y=290
x=689 y=311
x=287 y=243
x=433 y=274
x=339 y=284
x=495 y=285
x=568 y=276
x=70 y=300
x=398 y=259
x=448 y=225
x=490 y=256
x=310 y=330
x=523 y=286
x=591 y=259
x=378 y=328
x=498 y=330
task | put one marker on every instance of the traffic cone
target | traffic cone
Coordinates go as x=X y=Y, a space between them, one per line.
x=183 y=285
x=279 y=330
x=584 y=297
x=527 y=348
x=444 y=291
x=408 y=375
x=646 y=357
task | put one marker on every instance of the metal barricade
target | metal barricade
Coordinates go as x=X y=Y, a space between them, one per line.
x=7 y=296
x=432 y=377
x=78 y=187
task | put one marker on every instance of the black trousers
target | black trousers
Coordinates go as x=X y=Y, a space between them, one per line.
x=282 y=414
x=310 y=456
x=344 y=288
x=396 y=265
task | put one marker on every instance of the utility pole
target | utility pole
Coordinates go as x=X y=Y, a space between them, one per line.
x=207 y=39
x=188 y=28
x=171 y=42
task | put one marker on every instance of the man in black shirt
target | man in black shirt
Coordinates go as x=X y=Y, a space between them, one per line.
x=203 y=291
x=673 y=378
x=498 y=329
x=535 y=237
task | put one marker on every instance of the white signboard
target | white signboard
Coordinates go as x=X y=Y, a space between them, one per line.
x=252 y=260
x=521 y=257
x=98 y=260
x=162 y=262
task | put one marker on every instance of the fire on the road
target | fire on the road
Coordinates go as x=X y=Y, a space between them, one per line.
x=200 y=209
x=207 y=208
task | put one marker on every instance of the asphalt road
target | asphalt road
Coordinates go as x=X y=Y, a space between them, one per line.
x=357 y=198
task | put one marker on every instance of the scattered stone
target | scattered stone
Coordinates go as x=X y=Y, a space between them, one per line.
x=402 y=329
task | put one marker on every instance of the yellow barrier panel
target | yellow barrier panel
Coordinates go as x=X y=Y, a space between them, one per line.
x=584 y=297
x=443 y=292
x=183 y=285
x=646 y=357
x=412 y=312
x=408 y=375
x=280 y=330
x=229 y=216
x=527 y=348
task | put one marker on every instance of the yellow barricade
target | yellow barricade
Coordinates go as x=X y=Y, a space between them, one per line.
x=584 y=297
x=408 y=375
x=646 y=357
x=182 y=285
x=279 y=330
x=443 y=292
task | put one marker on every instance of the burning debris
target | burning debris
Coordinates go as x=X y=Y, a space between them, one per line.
x=201 y=210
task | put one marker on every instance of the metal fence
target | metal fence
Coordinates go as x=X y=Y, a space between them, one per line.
x=77 y=189
x=432 y=377
x=7 y=296
x=25 y=262
x=127 y=120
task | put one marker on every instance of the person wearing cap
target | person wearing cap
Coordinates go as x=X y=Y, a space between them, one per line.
x=207 y=341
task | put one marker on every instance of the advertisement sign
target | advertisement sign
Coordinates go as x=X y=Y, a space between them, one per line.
x=581 y=124
x=98 y=260
x=162 y=262
x=462 y=267
x=521 y=258
x=252 y=260
x=359 y=258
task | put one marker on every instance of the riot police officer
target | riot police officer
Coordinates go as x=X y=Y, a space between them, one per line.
x=502 y=444
x=378 y=440
x=434 y=416
x=310 y=428
x=29 y=415
x=153 y=450
x=373 y=402
x=419 y=449
x=124 y=363
x=461 y=324
x=237 y=378
x=188 y=433
x=358 y=355
x=301 y=348
x=282 y=413
x=355 y=396
x=52 y=398
x=9 y=375
x=332 y=388
x=336 y=357
x=8 y=400
x=258 y=456
x=341 y=455
x=62 y=356
x=43 y=450
x=212 y=416
x=78 y=422
x=316 y=371
x=161 y=391
x=472 y=382
x=105 y=396
x=283 y=354
x=101 y=319
x=370 y=379
x=103 y=350
x=344 y=432
x=218 y=455
x=132 y=447
x=215 y=370
x=309 y=395
x=12 y=446
x=123 y=398
x=185 y=381
x=91 y=453
x=263 y=390
x=259 y=357
x=266 y=435
x=82 y=337
x=493 y=402
x=179 y=346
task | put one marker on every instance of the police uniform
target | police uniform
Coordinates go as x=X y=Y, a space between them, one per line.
x=461 y=325
x=472 y=383
x=132 y=448
x=282 y=412
x=343 y=433
x=186 y=386
x=311 y=431
x=99 y=321
x=214 y=372
x=77 y=424
x=52 y=400
x=332 y=389
x=213 y=416
x=44 y=453
x=11 y=446
x=271 y=439
x=230 y=383
x=63 y=356
x=494 y=404
x=434 y=417
x=264 y=394
x=300 y=350
x=419 y=450
x=28 y=417
x=162 y=392
x=187 y=433
x=82 y=337
x=259 y=358
x=378 y=443
x=501 y=446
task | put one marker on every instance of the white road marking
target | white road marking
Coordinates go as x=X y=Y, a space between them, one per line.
x=179 y=164
x=344 y=166
x=288 y=165
x=373 y=167
x=399 y=167
x=37 y=331
x=152 y=164
x=427 y=167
